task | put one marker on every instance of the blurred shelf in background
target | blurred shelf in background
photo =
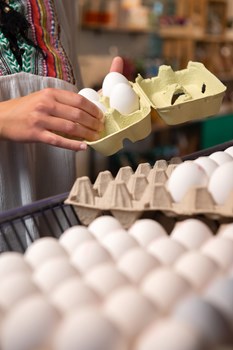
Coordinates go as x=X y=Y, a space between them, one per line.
x=147 y=34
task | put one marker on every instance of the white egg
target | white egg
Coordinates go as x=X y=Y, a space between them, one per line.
x=29 y=325
x=53 y=272
x=205 y=318
x=221 y=157
x=129 y=310
x=124 y=99
x=165 y=250
x=226 y=231
x=16 y=287
x=220 y=294
x=136 y=263
x=169 y=334
x=165 y=287
x=103 y=225
x=229 y=150
x=146 y=230
x=185 y=176
x=111 y=80
x=90 y=94
x=43 y=249
x=73 y=237
x=221 y=182
x=12 y=262
x=105 y=278
x=118 y=243
x=208 y=164
x=72 y=293
x=88 y=329
x=197 y=268
x=100 y=105
x=191 y=233
x=219 y=249
x=88 y=255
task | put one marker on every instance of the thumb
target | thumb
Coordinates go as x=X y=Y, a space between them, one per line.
x=117 y=65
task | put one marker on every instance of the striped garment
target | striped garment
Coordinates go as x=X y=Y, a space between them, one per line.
x=44 y=32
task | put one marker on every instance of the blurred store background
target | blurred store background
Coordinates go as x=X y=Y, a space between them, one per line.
x=147 y=34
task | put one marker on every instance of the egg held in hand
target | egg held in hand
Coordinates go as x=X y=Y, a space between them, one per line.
x=124 y=99
x=111 y=80
x=100 y=105
x=90 y=94
x=94 y=97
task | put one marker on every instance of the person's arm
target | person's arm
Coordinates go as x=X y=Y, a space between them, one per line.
x=40 y=115
x=44 y=115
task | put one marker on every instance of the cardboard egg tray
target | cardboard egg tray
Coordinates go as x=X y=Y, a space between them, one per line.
x=176 y=97
x=130 y=195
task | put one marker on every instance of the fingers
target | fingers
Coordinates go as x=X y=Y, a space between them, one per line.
x=62 y=142
x=70 y=113
x=80 y=116
x=69 y=99
x=117 y=65
x=66 y=127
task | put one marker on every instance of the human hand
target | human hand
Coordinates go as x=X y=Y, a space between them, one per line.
x=117 y=65
x=46 y=115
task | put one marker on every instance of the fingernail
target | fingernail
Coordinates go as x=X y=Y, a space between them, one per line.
x=83 y=146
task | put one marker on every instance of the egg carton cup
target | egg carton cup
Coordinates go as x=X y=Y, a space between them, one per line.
x=130 y=195
x=176 y=97
x=134 y=127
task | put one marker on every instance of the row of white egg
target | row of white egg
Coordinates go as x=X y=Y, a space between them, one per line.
x=119 y=282
x=35 y=323
x=121 y=95
x=213 y=172
x=107 y=232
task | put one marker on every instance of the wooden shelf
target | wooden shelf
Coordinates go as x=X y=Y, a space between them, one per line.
x=180 y=32
x=118 y=29
x=192 y=41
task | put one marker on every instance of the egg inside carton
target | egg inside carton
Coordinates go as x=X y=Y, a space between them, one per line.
x=173 y=189
x=175 y=97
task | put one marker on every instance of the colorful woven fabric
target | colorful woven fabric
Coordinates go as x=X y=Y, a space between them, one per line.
x=44 y=32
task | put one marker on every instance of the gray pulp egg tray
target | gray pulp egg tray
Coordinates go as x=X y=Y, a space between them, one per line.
x=131 y=194
x=176 y=97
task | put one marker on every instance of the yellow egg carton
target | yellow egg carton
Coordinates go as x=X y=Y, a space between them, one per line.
x=130 y=195
x=177 y=97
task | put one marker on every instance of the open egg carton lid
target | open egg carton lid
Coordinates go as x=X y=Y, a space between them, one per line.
x=177 y=97
x=185 y=95
x=131 y=194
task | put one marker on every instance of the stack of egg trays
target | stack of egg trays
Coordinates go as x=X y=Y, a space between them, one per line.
x=130 y=195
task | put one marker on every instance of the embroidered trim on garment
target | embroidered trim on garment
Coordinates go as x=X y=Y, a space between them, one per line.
x=44 y=32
